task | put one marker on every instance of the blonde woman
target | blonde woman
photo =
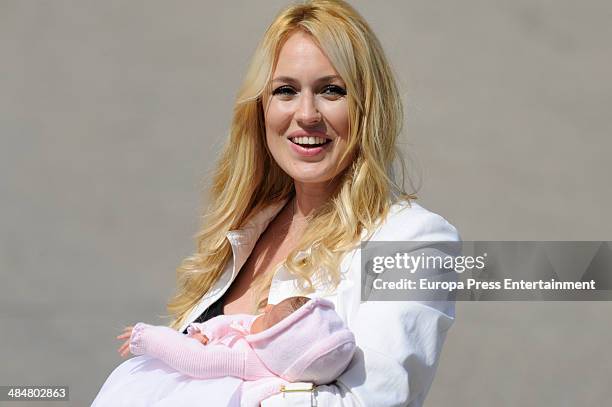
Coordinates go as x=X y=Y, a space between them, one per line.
x=304 y=178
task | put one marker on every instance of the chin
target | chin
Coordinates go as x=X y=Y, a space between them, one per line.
x=310 y=172
x=314 y=179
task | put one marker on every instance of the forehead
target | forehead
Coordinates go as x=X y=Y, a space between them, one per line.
x=281 y=306
x=300 y=55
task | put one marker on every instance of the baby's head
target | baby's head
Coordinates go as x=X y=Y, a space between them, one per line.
x=303 y=340
x=276 y=313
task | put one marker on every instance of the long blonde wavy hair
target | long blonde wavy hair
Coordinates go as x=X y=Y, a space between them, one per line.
x=247 y=179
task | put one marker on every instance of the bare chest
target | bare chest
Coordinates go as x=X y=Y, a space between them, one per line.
x=269 y=252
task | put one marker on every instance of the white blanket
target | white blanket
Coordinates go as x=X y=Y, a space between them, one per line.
x=147 y=382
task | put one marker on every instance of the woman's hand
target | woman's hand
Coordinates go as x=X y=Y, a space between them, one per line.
x=124 y=349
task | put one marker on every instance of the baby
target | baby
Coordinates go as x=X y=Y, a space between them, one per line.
x=298 y=339
x=219 y=326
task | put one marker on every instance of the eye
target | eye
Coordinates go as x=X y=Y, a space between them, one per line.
x=283 y=90
x=328 y=90
x=335 y=90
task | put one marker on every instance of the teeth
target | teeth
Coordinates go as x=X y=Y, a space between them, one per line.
x=309 y=140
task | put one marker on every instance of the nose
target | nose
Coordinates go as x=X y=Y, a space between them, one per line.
x=307 y=113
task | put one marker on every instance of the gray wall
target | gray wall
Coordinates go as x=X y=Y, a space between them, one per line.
x=112 y=112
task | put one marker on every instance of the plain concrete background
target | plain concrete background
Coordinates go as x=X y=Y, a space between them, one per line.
x=111 y=114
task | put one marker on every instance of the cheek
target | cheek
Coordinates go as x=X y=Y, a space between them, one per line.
x=277 y=121
x=338 y=118
x=277 y=118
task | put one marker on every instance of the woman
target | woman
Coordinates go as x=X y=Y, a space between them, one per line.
x=303 y=179
x=318 y=72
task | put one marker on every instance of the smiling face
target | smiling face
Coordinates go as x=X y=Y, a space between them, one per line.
x=306 y=115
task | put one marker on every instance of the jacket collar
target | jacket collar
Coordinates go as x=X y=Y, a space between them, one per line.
x=243 y=240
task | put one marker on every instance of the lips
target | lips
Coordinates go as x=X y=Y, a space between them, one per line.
x=309 y=150
x=302 y=133
x=309 y=139
x=309 y=142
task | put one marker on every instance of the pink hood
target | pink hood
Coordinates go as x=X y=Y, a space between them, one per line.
x=312 y=344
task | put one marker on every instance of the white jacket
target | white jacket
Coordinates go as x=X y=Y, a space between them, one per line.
x=399 y=342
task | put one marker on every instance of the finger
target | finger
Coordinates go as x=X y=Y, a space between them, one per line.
x=124 y=335
x=127 y=329
x=127 y=332
x=126 y=351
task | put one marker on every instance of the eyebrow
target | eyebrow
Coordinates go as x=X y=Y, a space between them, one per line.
x=290 y=79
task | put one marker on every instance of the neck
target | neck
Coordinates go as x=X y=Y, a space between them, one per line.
x=310 y=196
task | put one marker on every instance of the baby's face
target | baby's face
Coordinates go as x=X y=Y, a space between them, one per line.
x=272 y=315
